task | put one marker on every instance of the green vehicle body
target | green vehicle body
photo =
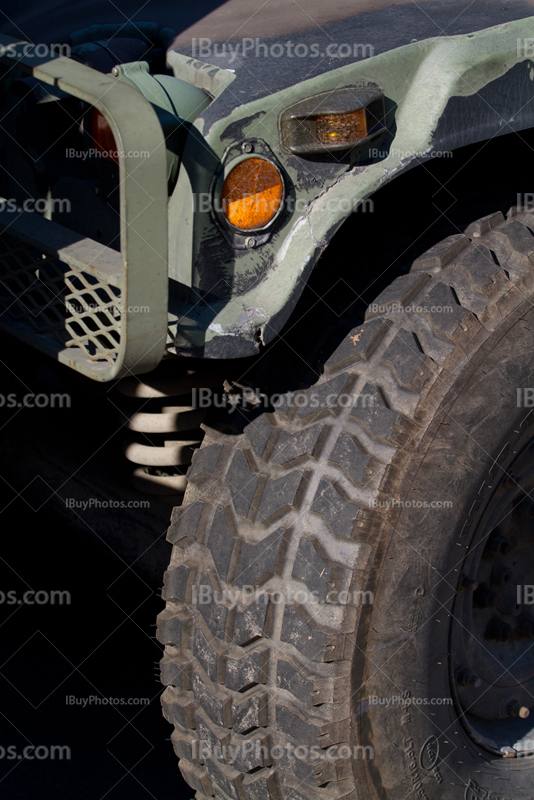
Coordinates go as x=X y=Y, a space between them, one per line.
x=182 y=283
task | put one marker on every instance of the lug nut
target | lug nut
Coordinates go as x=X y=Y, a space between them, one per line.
x=497 y=630
x=469 y=583
x=484 y=597
x=501 y=576
x=464 y=677
x=514 y=709
x=498 y=545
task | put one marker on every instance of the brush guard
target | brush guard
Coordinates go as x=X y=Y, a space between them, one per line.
x=100 y=311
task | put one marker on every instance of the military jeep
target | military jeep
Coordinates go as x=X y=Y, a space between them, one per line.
x=296 y=247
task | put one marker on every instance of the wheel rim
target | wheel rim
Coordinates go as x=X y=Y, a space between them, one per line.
x=492 y=630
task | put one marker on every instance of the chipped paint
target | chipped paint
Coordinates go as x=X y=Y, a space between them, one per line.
x=217 y=328
x=419 y=79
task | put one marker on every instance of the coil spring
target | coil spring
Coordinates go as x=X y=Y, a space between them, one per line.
x=163 y=436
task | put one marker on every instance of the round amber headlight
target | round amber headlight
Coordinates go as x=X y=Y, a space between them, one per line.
x=252 y=194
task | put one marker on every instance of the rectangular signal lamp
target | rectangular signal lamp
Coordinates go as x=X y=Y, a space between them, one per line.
x=333 y=121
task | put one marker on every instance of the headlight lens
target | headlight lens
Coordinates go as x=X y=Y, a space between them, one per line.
x=252 y=194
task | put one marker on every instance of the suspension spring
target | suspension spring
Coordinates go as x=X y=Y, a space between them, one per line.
x=163 y=428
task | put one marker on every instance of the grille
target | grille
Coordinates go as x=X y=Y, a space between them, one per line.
x=58 y=301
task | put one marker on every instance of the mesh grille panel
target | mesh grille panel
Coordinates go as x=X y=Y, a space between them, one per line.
x=71 y=306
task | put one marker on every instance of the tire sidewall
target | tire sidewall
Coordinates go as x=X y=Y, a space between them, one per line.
x=419 y=746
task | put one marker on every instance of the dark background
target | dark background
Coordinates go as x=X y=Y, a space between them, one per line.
x=101 y=644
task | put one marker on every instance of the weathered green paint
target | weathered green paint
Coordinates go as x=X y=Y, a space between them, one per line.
x=175 y=101
x=162 y=237
x=419 y=78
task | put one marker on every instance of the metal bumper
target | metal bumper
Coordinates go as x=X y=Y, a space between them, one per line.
x=100 y=311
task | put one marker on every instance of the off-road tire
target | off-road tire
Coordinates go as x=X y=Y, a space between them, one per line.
x=268 y=699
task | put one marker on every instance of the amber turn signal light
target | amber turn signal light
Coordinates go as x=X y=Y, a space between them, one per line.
x=102 y=136
x=252 y=194
x=334 y=121
x=342 y=128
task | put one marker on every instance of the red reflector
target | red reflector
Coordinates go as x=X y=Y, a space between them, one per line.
x=102 y=136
